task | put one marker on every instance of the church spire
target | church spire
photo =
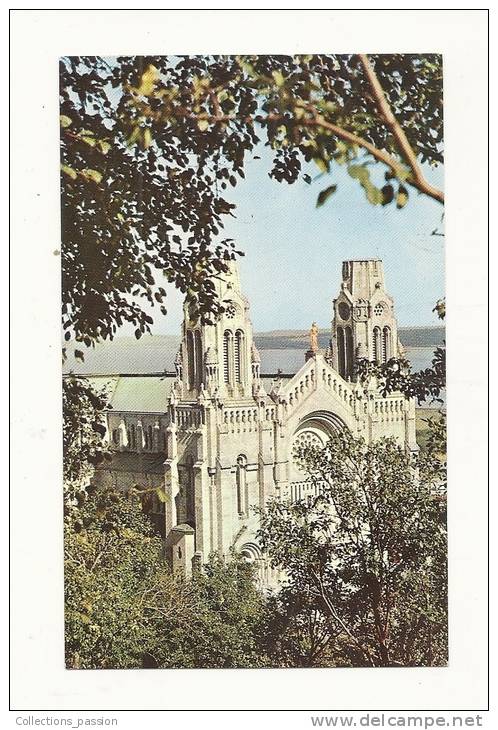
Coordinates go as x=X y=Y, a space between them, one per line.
x=219 y=357
x=363 y=324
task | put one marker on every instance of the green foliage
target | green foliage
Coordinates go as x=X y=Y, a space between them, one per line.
x=219 y=628
x=396 y=375
x=124 y=609
x=83 y=432
x=295 y=632
x=325 y=195
x=149 y=145
x=368 y=554
x=134 y=210
x=112 y=560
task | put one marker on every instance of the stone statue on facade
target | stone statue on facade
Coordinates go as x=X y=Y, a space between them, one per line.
x=313 y=348
x=314 y=338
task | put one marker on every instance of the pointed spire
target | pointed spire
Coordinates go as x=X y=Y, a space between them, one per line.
x=329 y=353
x=229 y=281
x=179 y=363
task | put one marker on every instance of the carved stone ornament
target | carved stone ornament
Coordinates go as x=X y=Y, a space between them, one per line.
x=360 y=312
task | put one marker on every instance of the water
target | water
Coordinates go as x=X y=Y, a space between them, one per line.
x=291 y=360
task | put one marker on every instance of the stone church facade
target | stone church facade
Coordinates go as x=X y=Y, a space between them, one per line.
x=221 y=436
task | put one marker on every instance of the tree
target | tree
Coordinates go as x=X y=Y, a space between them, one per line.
x=395 y=375
x=149 y=145
x=123 y=606
x=295 y=632
x=84 y=427
x=125 y=609
x=369 y=552
x=111 y=560
x=220 y=627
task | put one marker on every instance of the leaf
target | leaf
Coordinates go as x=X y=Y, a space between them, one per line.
x=401 y=197
x=387 y=194
x=134 y=136
x=278 y=78
x=359 y=172
x=148 y=81
x=69 y=172
x=65 y=121
x=147 y=139
x=89 y=140
x=325 y=195
x=79 y=355
x=322 y=165
x=203 y=124
x=401 y=200
x=94 y=175
x=104 y=146
x=374 y=195
x=138 y=334
x=161 y=494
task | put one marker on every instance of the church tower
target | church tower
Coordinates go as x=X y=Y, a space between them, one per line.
x=363 y=324
x=220 y=359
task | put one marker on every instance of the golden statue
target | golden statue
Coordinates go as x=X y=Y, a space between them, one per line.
x=314 y=338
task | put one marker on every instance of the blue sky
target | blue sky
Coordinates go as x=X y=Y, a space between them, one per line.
x=292 y=267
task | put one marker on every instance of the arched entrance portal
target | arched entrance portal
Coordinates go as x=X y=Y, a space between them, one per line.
x=314 y=429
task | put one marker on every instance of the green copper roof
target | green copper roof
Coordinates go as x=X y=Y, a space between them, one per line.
x=139 y=394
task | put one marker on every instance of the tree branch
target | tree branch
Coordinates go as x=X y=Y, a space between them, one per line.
x=417 y=179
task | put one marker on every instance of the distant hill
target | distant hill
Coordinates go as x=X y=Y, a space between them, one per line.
x=282 y=339
x=279 y=349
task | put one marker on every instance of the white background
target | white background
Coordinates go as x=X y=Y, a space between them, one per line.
x=39 y=679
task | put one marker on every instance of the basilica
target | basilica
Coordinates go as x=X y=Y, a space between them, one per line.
x=221 y=438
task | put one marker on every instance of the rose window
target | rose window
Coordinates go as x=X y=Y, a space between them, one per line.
x=304 y=440
x=378 y=310
x=344 y=311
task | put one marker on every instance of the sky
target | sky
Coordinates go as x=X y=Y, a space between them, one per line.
x=291 y=270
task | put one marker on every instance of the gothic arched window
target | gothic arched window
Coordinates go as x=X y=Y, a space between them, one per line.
x=190 y=492
x=239 y=356
x=241 y=482
x=348 y=346
x=198 y=358
x=190 y=359
x=227 y=356
x=386 y=344
x=341 y=355
x=377 y=345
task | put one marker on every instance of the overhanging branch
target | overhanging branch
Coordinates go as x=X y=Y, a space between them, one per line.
x=416 y=179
